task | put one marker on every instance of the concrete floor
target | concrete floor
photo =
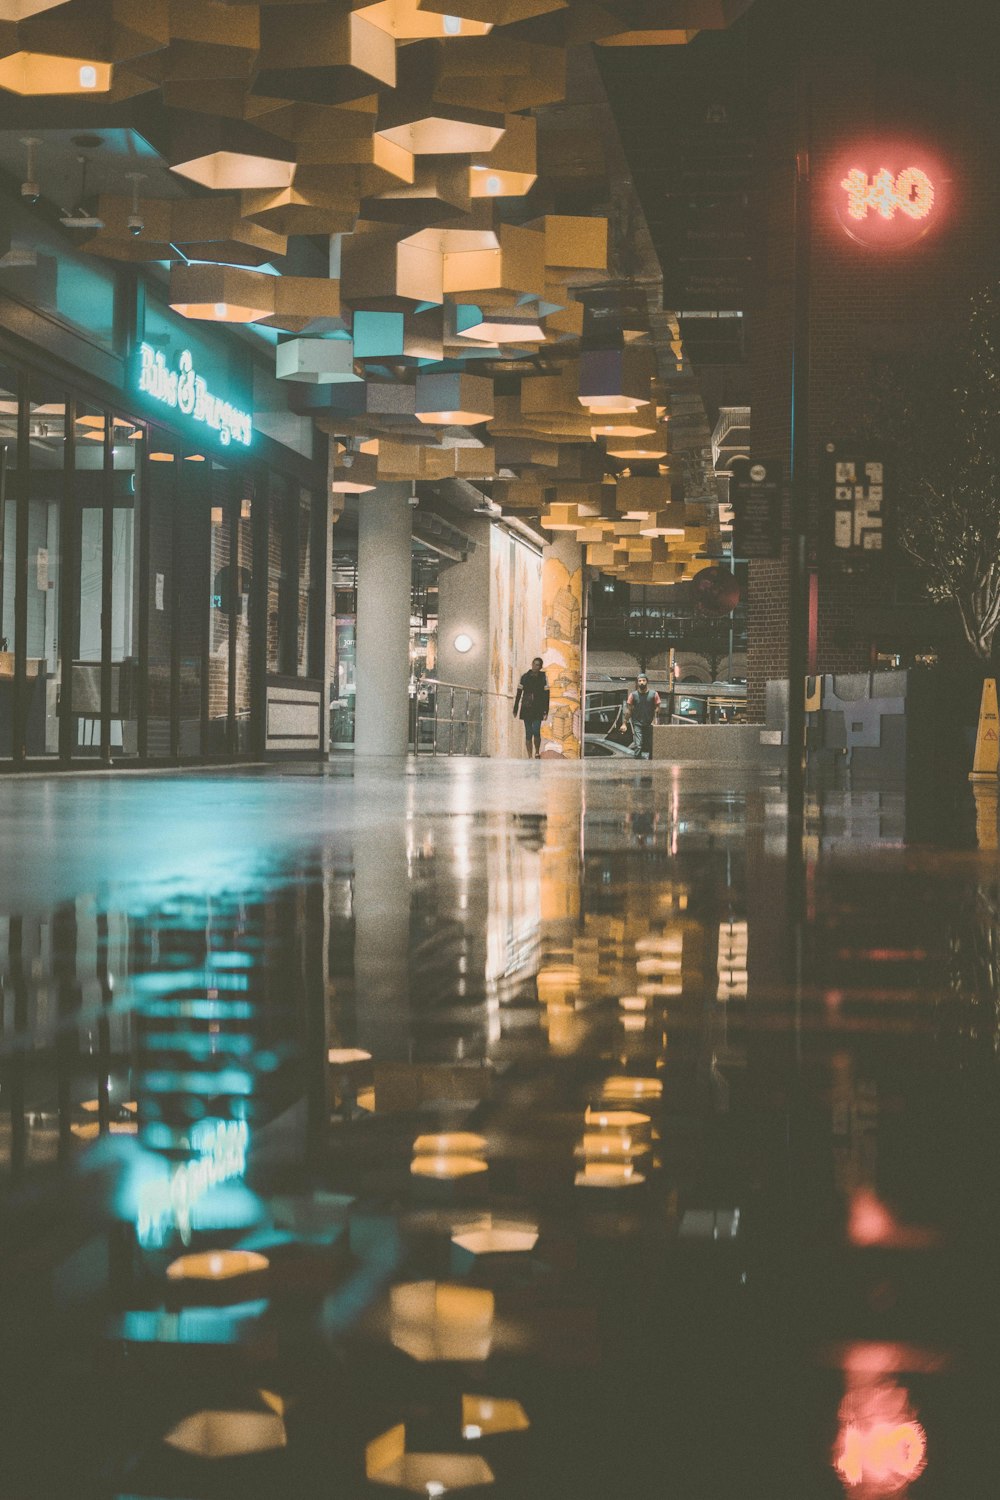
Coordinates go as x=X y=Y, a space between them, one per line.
x=744 y=1127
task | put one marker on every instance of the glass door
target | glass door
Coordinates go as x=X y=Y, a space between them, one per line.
x=83 y=703
x=126 y=499
x=192 y=533
x=219 y=611
x=160 y=739
x=242 y=673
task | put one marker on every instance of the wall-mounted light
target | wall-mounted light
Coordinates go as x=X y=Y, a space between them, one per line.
x=463 y=643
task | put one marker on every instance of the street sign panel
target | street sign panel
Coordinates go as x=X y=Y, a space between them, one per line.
x=757 y=510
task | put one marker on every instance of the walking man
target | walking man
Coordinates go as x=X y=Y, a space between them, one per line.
x=532 y=706
x=640 y=710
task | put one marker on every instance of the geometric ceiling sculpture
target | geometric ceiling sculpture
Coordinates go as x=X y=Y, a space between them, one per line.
x=406 y=189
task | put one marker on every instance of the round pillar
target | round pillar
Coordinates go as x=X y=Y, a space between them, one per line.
x=381 y=705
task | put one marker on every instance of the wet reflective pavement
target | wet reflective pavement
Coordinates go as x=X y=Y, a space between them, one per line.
x=359 y=1135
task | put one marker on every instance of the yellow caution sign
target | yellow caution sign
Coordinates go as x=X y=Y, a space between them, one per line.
x=987 y=827
x=988 y=739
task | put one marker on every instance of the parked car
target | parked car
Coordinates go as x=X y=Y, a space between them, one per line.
x=596 y=744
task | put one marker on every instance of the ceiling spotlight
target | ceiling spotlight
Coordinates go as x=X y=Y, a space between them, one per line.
x=136 y=223
x=30 y=191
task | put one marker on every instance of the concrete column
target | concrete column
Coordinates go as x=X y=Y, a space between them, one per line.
x=381 y=707
x=562 y=610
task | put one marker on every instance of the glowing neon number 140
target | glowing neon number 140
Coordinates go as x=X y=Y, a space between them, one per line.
x=911 y=192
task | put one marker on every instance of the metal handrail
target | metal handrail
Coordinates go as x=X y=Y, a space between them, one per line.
x=461 y=686
x=456 y=731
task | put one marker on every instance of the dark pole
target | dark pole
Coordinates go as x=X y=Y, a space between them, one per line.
x=798 y=578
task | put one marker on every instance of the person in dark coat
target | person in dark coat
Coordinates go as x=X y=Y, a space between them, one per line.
x=532 y=706
x=640 y=709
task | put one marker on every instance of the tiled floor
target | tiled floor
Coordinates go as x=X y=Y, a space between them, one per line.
x=580 y=1138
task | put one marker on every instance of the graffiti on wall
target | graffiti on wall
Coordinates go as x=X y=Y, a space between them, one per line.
x=562 y=606
x=515 y=636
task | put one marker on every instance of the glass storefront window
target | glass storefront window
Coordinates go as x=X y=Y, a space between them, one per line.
x=220 y=586
x=128 y=621
x=84 y=703
x=243 y=584
x=8 y=568
x=304 y=576
x=282 y=587
x=342 y=705
x=46 y=458
x=158 y=496
x=126 y=468
x=193 y=531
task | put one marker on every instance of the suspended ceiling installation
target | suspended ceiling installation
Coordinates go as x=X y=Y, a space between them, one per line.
x=484 y=303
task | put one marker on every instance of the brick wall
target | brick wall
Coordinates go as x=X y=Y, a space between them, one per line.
x=867 y=71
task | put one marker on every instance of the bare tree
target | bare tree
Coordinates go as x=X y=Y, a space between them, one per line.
x=949 y=466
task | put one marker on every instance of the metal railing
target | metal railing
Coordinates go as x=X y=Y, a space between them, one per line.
x=731 y=419
x=447 y=718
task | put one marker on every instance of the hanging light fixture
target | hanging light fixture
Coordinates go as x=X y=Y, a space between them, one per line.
x=317 y=361
x=453 y=398
x=613 y=381
x=221 y=294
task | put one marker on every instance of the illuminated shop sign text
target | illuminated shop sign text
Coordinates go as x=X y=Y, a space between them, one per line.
x=184 y=390
x=910 y=192
x=167 y=1199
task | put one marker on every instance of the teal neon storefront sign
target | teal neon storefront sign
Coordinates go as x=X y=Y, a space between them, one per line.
x=168 y=1197
x=185 y=391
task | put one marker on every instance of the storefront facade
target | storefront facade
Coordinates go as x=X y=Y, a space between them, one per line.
x=165 y=558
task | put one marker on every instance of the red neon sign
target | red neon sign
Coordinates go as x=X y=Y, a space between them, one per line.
x=883 y=1456
x=887 y=196
x=881 y=1448
x=910 y=192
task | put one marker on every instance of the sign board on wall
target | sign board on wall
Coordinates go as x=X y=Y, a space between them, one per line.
x=888 y=195
x=853 y=507
x=185 y=391
x=757 y=498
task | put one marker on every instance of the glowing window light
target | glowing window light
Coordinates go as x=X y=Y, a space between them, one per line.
x=88 y=76
x=910 y=192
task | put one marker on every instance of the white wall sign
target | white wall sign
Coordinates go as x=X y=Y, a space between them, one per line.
x=185 y=391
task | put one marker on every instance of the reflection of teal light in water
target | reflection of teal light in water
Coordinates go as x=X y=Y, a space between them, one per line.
x=167 y=1199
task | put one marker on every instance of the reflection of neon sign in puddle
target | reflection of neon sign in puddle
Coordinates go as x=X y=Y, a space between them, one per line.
x=166 y=1201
